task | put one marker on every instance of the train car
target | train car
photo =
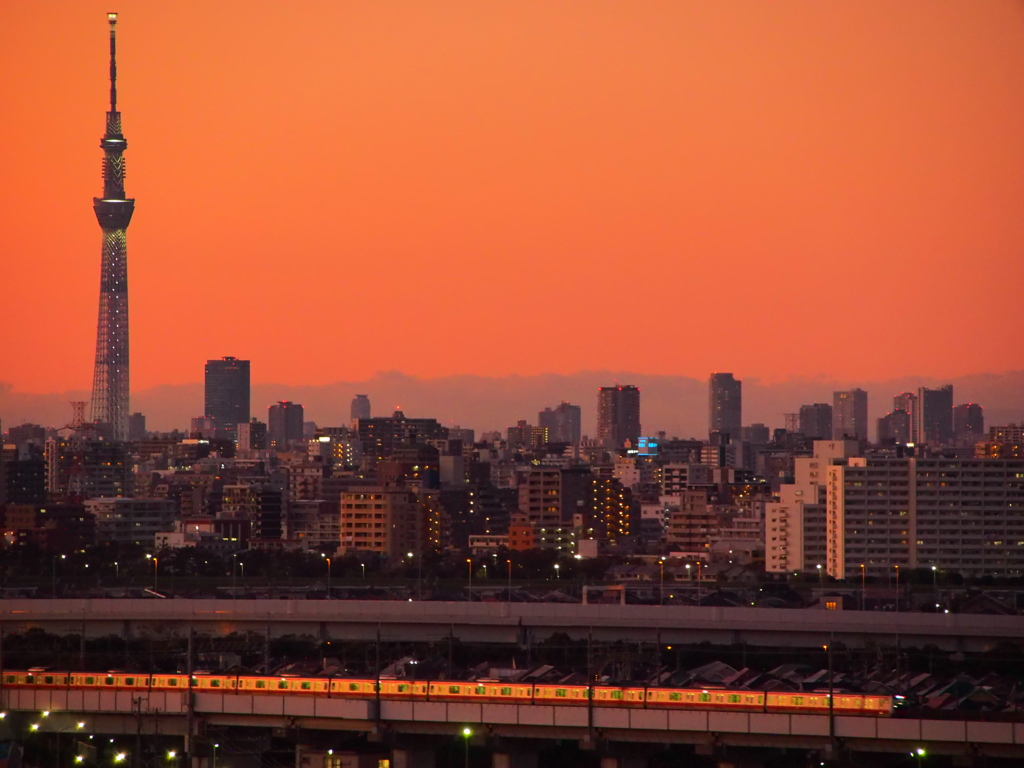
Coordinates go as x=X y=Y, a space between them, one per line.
x=702 y=698
x=352 y=689
x=46 y=679
x=404 y=690
x=169 y=682
x=817 y=702
x=215 y=683
x=561 y=694
x=511 y=693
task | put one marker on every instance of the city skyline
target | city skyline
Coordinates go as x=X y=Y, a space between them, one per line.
x=410 y=166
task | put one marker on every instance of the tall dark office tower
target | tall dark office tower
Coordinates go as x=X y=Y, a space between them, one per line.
x=114 y=212
x=850 y=415
x=227 y=392
x=725 y=412
x=360 y=407
x=894 y=428
x=618 y=416
x=284 y=424
x=137 y=426
x=563 y=423
x=935 y=415
x=969 y=422
x=816 y=421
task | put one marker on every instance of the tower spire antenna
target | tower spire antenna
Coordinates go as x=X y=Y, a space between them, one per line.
x=112 y=20
x=114 y=213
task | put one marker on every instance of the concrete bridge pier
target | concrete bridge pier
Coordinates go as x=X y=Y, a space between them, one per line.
x=623 y=761
x=502 y=759
x=413 y=757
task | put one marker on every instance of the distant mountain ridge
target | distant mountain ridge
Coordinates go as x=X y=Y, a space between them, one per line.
x=676 y=404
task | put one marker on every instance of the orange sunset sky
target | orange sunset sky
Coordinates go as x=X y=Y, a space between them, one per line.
x=333 y=188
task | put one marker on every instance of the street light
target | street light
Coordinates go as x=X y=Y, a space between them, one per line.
x=509 y=562
x=419 y=562
x=117 y=570
x=466 y=733
x=328 y=578
x=215 y=755
x=156 y=572
x=897 y=589
x=661 y=590
x=557 y=574
x=821 y=577
x=863 y=585
x=78 y=726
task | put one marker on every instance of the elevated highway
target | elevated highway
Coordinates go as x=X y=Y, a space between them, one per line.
x=521 y=623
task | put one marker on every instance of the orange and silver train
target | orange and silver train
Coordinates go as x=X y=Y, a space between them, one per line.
x=642 y=697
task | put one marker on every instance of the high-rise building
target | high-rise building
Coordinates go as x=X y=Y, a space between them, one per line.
x=113 y=212
x=795 y=525
x=816 y=421
x=88 y=469
x=251 y=436
x=921 y=513
x=137 y=427
x=935 y=415
x=850 y=415
x=284 y=424
x=227 y=393
x=968 y=423
x=907 y=402
x=563 y=423
x=725 y=412
x=756 y=434
x=360 y=407
x=894 y=428
x=381 y=436
x=618 y=415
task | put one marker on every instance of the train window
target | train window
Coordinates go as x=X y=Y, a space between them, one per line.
x=561 y=693
x=282 y=684
x=506 y=691
x=108 y=681
x=403 y=688
x=704 y=697
x=261 y=683
x=30 y=678
x=798 y=700
x=48 y=679
x=9 y=679
x=675 y=697
x=453 y=689
x=616 y=695
x=173 y=682
x=215 y=683
x=90 y=681
x=307 y=686
x=480 y=690
x=129 y=681
x=734 y=698
x=353 y=686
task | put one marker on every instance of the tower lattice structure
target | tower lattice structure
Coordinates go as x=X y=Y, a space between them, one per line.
x=114 y=212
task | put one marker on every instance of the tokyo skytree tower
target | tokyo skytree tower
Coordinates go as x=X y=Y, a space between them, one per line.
x=114 y=212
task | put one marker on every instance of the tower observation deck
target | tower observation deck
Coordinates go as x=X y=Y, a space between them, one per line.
x=114 y=212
